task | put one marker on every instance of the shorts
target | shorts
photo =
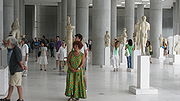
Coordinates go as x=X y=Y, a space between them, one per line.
x=57 y=56
x=16 y=79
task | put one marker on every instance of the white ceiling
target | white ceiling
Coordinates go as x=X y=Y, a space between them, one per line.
x=166 y=3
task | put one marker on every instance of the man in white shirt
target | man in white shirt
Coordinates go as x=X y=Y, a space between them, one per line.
x=25 y=52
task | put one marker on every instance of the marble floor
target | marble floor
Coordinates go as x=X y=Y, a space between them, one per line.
x=103 y=84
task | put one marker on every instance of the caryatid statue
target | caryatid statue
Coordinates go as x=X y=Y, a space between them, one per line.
x=177 y=47
x=107 y=39
x=144 y=27
x=69 y=28
x=136 y=35
x=15 y=30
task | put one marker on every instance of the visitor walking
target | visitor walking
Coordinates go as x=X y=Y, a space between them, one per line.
x=129 y=49
x=57 y=46
x=115 y=56
x=75 y=84
x=43 y=57
x=25 y=53
x=16 y=68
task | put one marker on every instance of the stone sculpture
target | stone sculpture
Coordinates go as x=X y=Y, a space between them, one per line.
x=107 y=39
x=177 y=47
x=136 y=36
x=123 y=37
x=69 y=29
x=161 y=39
x=144 y=27
x=15 y=30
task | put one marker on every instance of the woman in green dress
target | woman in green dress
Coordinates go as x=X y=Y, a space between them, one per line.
x=75 y=83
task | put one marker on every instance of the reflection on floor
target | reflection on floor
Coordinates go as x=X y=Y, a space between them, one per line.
x=103 y=84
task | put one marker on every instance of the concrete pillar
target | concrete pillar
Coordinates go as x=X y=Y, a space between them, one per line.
x=71 y=11
x=174 y=18
x=64 y=19
x=59 y=19
x=82 y=18
x=156 y=25
x=1 y=20
x=16 y=9
x=36 y=22
x=22 y=16
x=8 y=16
x=101 y=23
x=129 y=17
x=177 y=20
x=140 y=11
x=113 y=19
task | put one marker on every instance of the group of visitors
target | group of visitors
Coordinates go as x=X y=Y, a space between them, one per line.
x=129 y=48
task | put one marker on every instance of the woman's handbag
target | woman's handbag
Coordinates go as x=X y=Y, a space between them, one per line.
x=127 y=53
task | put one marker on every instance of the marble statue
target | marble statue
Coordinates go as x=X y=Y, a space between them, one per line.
x=123 y=37
x=177 y=47
x=136 y=35
x=15 y=29
x=107 y=39
x=69 y=29
x=144 y=27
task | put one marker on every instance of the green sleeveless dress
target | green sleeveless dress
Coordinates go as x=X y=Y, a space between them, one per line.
x=75 y=83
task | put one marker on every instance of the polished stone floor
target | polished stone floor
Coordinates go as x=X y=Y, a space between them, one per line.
x=103 y=84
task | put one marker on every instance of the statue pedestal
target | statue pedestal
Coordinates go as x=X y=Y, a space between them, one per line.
x=176 y=60
x=143 y=77
x=135 y=54
x=4 y=79
x=161 y=54
x=107 y=62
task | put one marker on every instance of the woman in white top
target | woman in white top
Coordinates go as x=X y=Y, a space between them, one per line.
x=62 y=56
x=25 y=52
x=43 y=57
x=116 y=56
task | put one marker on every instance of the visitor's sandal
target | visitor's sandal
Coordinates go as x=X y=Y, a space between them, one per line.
x=5 y=99
x=20 y=100
x=70 y=99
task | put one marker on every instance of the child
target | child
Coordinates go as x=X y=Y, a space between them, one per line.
x=62 y=56
x=43 y=56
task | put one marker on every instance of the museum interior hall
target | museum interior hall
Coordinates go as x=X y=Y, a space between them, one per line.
x=89 y=50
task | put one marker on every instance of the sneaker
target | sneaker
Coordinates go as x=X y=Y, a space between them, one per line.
x=5 y=99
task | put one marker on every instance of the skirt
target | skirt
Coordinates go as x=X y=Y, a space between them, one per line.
x=43 y=60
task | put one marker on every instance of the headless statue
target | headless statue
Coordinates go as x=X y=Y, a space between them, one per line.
x=123 y=37
x=137 y=35
x=144 y=27
x=107 y=39
x=177 y=47
x=15 y=29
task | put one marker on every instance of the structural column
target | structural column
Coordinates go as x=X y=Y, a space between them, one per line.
x=59 y=19
x=129 y=17
x=140 y=11
x=16 y=9
x=64 y=19
x=156 y=25
x=101 y=23
x=22 y=16
x=36 y=22
x=8 y=16
x=174 y=18
x=113 y=19
x=177 y=20
x=82 y=18
x=71 y=11
x=1 y=20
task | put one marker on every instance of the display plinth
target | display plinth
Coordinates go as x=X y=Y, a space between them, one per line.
x=123 y=59
x=135 y=54
x=143 y=77
x=4 y=79
x=107 y=57
x=176 y=60
x=161 y=54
